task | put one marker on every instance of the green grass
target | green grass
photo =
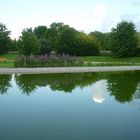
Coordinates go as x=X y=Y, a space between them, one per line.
x=7 y=64
x=9 y=56
x=104 y=61
x=10 y=60
x=110 y=59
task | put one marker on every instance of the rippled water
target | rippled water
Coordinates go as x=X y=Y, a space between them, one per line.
x=85 y=106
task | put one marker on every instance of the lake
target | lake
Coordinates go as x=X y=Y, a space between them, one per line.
x=84 y=106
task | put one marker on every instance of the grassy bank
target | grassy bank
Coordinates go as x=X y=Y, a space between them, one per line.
x=10 y=60
x=110 y=59
x=89 y=61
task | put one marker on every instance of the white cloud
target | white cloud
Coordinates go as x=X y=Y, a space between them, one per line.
x=102 y=18
x=99 y=91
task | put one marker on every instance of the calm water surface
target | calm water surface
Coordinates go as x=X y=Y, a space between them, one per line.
x=92 y=106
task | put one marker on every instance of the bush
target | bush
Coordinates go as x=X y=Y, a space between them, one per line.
x=20 y=61
x=45 y=60
x=138 y=52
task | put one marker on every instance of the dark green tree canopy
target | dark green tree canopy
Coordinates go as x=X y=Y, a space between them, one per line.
x=40 y=31
x=4 y=39
x=29 y=43
x=102 y=39
x=123 y=40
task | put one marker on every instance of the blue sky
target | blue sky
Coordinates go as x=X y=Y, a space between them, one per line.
x=84 y=15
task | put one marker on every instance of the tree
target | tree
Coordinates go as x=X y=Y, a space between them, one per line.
x=45 y=48
x=124 y=40
x=13 y=45
x=29 y=43
x=40 y=31
x=53 y=34
x=86 y=45
x=102 y=39
x=4 y=39
x=67 y=41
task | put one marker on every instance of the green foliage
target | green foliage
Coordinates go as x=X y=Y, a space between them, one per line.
x=5 y=83
x=67 y=40
x=138 y=52
x=4 y=39
x=53 y=34
x=46 y=48
x=13 y=45
x=102 y=39
x=40 y=31
x=29 y=43
x=138 y=36
x=123 y=40
x=86 y=45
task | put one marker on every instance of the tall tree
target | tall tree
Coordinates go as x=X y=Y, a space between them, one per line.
x=53 y=34
x=40 y=32
x=67 y=41
x=29 y=43
x=123 y=40
x=4 y=39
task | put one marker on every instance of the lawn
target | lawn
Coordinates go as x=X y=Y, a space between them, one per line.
x=10 y=60
x=90 y=60
x=110 y=59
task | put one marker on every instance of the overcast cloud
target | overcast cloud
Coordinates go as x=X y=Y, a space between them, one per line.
x=84 y=15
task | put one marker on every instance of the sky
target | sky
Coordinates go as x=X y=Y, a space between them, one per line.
x=84 y=15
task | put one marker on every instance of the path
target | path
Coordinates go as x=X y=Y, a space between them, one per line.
x=66 y=69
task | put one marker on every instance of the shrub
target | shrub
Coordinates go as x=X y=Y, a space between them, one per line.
x=45 y=60
x=138 y=52
x=20 y=61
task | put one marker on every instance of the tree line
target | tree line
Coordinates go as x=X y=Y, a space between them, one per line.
x=122 y=41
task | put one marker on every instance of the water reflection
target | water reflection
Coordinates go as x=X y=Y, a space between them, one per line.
x=99 y=90
x=123 y=86
x=60 y=82
x=5 y=83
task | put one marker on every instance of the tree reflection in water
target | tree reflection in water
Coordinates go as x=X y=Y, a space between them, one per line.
x=60 y=82
x=5 y=83
x=124 y=86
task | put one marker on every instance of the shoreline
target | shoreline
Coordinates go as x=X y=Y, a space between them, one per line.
x=67 y=70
